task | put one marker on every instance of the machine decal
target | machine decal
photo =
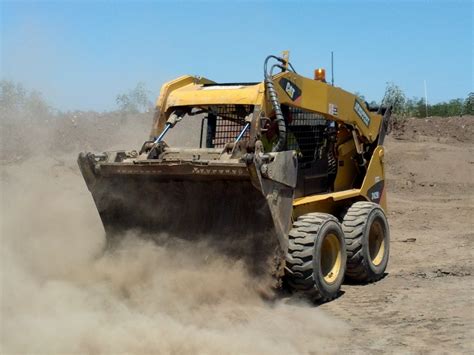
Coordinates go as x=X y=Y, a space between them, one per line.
x=333 y=109
x=361 y=113
x=375 y=192
x=293 y=91
x=214 y=171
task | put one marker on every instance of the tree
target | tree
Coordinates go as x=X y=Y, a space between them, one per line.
x=136 y=100
x=416 y=107
x=468 y=107
x=12 y=96
x=15 y=99
x=454 y=107
x=395 y=97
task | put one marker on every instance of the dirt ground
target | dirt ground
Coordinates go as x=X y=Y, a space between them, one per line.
x=426 y=302
x=60 y=295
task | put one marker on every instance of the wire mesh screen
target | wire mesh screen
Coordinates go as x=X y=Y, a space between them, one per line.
x=225 y=122
x=307 y=134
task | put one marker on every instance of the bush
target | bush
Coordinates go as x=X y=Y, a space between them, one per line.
x=416 y=107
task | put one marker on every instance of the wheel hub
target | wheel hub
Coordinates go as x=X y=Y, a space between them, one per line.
x=331 y=258
x=376 y=243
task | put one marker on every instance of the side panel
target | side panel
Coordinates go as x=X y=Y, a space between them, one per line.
x=373 y=187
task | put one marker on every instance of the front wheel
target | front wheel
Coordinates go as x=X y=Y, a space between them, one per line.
x=316 y=258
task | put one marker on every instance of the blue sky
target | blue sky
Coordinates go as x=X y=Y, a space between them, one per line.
x=81 y=54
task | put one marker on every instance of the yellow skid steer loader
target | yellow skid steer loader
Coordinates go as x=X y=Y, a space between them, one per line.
x=286 y=174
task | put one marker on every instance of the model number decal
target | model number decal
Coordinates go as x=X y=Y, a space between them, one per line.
x=361 y=113
x=375 y=192
x=213 y=171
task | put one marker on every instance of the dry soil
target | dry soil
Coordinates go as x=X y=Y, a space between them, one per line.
x=61 y=294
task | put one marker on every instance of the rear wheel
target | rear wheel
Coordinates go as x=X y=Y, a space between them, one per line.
x=316 y=258
x=367 y=241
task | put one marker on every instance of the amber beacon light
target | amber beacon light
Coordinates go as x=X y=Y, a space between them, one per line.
x=320 y=74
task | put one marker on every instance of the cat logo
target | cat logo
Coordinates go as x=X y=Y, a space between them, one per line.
x=293 y=91
x=290 y=90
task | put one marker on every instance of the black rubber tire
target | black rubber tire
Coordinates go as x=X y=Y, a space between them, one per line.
x=303 y=267
x=362 y=266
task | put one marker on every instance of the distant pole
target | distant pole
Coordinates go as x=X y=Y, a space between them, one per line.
x=332 y=68
x=426 y=100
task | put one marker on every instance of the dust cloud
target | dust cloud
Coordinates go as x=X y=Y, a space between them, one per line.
x=61 y=293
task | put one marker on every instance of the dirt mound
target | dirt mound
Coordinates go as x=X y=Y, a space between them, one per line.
x=442 y=129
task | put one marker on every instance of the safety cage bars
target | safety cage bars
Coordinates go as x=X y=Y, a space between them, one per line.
x=306 y=133
x=224 y=124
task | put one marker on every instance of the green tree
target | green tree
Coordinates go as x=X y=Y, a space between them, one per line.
x=421 y=108
x=395 y=97
x=468 y=107
x=415 y=107
x=454 y=107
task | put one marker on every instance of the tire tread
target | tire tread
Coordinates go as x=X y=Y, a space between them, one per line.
x=354 y=227
x=299 y=259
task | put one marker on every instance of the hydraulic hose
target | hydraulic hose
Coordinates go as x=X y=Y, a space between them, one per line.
x=281 y=142
x=272 y=95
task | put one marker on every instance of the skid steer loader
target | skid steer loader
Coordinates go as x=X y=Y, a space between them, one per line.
x=286 y=174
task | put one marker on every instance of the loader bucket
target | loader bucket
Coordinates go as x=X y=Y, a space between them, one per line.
x=221 y=205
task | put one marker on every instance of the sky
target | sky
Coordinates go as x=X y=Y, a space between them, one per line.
x=82 y=54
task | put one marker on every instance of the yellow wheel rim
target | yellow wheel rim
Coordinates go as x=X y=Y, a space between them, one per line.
x=331 y=256
x=376 y=243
